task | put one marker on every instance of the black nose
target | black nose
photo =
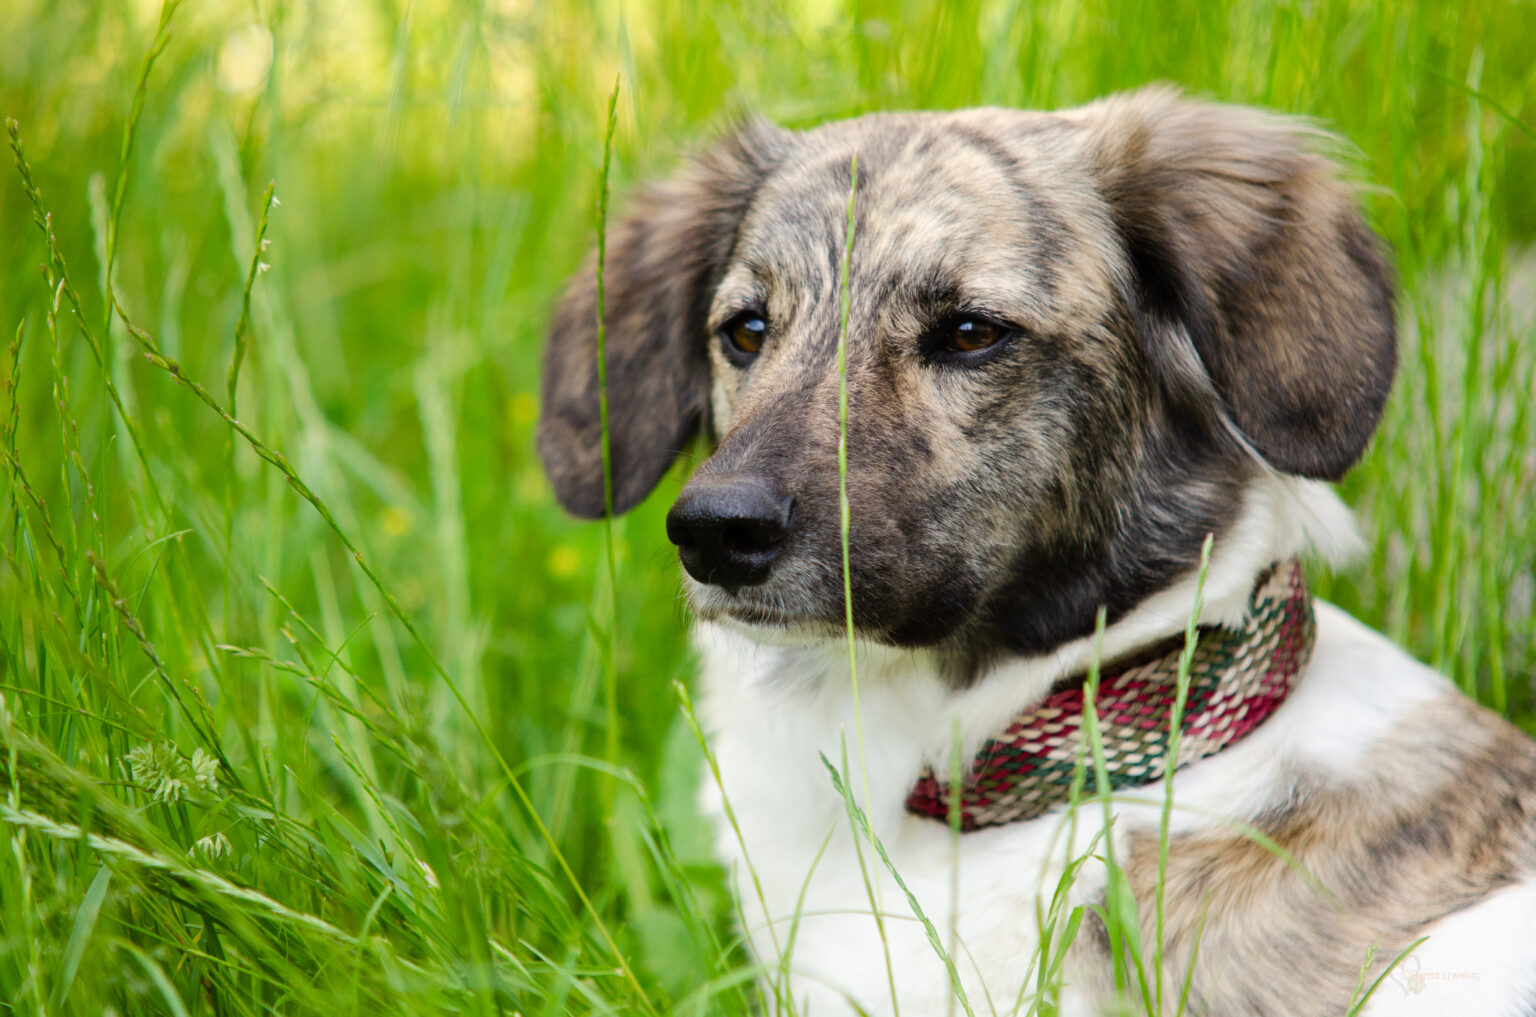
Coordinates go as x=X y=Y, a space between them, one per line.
x=728 y=530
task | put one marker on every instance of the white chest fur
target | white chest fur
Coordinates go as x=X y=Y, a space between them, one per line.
x=799 y=873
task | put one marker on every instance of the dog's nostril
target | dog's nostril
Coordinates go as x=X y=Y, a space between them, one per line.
x=751 y=535
x=739 y=540
x=680 y=531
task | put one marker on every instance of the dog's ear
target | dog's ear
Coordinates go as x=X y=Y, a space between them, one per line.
x=663 y=262
x=1258 y=282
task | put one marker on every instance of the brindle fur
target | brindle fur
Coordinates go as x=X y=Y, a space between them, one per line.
x=1447 y=816
x=1182 y=273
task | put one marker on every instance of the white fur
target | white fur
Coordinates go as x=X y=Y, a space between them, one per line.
x=1478 y=963
x=774 y=711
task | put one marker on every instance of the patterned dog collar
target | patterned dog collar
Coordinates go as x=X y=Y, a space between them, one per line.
x=1237 y=678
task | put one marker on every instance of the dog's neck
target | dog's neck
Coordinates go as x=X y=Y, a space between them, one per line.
x=1213 y=690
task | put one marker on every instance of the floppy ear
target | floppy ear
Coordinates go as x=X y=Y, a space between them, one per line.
x=662 y=265
x=1258 y=282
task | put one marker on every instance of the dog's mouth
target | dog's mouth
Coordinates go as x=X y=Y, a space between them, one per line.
x=759 y=608
x=748 y=604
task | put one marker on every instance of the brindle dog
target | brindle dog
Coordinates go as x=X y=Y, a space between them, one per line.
x=1078 y=343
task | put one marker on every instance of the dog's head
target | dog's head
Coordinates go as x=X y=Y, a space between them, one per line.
x=1072 y=339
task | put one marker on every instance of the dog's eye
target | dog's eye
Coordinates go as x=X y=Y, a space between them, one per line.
x=744 y=336
x=969 y=335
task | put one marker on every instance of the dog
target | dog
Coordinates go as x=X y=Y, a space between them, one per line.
x=1077 y=343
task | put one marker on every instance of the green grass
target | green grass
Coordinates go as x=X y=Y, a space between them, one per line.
x=426 y=755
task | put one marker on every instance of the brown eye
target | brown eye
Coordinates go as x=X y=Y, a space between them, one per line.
x=744 y=335
x=968 y=335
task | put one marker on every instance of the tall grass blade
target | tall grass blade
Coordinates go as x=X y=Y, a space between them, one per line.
x=610 y=657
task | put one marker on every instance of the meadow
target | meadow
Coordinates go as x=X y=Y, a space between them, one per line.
x=311 y=699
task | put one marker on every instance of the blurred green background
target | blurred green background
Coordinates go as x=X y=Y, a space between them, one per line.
x=234 y=779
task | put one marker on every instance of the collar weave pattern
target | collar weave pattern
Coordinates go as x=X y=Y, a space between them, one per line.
x=1237 y=678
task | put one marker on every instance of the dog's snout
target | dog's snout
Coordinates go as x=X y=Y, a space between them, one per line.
x=728 y=530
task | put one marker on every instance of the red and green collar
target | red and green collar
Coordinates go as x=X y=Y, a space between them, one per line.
x=1238 y=676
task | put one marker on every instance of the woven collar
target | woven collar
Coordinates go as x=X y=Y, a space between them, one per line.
x=1237 y=678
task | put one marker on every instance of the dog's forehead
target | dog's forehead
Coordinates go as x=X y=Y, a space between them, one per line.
x=949 y=172
x=983 y=199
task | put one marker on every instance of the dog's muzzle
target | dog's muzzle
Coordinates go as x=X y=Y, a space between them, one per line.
x=730 y=529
